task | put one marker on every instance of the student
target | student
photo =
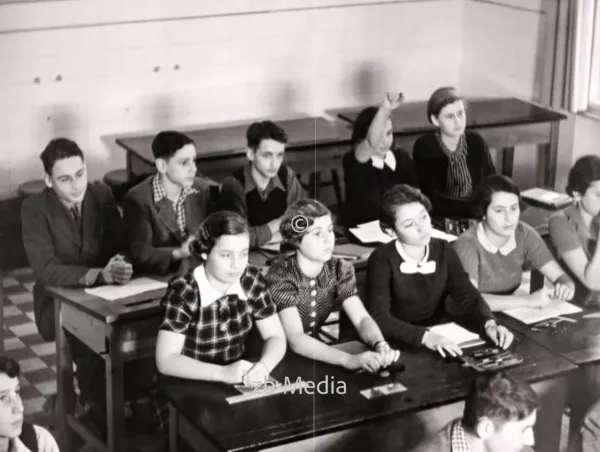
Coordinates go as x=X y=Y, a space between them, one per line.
x=590 y=431
x=499 y=416
x=262 y=189
x=373 y=165
x=72 y=238
x=450 y=161
x=497 y=251
x=410 y=278
x=189 y=343
x=15 y=434
x=161 y=211
x=574 y=231
x=308 y=285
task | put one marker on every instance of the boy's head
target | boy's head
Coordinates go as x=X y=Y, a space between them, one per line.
x=266 y=145
x=11 y=406
x=501 y=412
x=65 y=170
x=175 y=157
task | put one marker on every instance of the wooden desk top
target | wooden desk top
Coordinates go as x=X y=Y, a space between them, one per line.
x=578 y=342
x=411 y=118
x=284 y=418
x=220 y=140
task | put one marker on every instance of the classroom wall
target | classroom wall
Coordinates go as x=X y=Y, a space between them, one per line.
x=91 y=70
x=503 y=55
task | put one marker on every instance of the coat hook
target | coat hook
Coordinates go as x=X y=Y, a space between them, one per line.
x=37 y=80
x=59 y=78
x=156 y=68
x=176 y=67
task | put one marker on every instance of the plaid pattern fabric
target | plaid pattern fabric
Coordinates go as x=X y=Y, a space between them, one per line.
x=458 y=182
x=458 y=442
x=315 y=298
x=215 y=333
x=159 y=194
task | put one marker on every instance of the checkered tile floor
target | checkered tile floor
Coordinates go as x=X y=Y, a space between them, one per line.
x=23 y=343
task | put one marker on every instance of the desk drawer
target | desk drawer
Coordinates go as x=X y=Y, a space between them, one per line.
x=88 y=329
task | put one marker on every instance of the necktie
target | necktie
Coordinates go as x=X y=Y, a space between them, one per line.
x=76 y=216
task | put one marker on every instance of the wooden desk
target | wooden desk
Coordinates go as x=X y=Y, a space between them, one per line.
x=504 y=123
x=118 y=331
x=314 y=144
x=295 y=422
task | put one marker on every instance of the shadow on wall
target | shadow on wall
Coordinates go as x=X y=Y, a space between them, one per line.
x=368 y=83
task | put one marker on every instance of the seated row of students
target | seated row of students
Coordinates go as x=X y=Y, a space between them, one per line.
x=447 y=164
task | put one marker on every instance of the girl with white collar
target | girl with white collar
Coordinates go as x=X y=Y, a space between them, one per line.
x=497 y=250
x=210 y=311
x=417 y=281
x=373 y=165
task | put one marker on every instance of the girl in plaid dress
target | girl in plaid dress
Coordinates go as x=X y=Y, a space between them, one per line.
x=209 y=312
x=308 y=285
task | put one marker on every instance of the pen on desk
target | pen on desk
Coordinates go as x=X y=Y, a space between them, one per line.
x=566 y=319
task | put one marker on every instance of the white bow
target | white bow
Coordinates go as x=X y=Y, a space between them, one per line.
x=410 y=268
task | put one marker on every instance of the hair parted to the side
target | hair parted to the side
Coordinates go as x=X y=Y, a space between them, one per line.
x=499 y=398
x=216 y=225
x=265 y=130
x=495 y=183
x=59 y=149
x=441 y=97
x=585 y=171
x=9 y=366
x=166 y=144
x=307 y=208
x=396 y=197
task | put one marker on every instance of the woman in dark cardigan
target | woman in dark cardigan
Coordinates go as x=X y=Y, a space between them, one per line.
x=450 y=161
x=409 y=279
x=373 y=165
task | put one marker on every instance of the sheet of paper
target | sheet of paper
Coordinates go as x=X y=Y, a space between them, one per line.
x=133 y=287
x=534 y=315
x=273 y=247
x=443 y=235
x=455 y=333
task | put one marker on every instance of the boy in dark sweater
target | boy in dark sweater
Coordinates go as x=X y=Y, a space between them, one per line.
x=262 y=189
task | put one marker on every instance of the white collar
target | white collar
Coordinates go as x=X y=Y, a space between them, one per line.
x=505 y=249
x=208 y=294
x=388 y=160
x=409 y=259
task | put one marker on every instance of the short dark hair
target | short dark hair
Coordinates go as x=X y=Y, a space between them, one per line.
x=396 y=197
x=482 y=196
x=214 y=226
x=441 y=97
x=265 y=130
x=166 y=144
x=309 y=209
x=10 y=367
x=362 y=123
x=59 y=149
x=499 y=398
x=585 y=171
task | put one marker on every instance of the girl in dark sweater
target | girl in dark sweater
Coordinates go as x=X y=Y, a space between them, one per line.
x=409 y=279
x=373 y=166
x=450 y=161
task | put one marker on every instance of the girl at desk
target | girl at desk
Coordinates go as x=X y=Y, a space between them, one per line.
x=373 y=166
x=209 y=312
x=417 y=281
x=450 y=161
x=310 y=284
x=499 y=248
x=574 y=231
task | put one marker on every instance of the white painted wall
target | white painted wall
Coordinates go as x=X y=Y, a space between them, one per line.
x=237 y=59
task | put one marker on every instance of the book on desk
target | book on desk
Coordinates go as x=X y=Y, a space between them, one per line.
x=547 y=198
x=371 y=233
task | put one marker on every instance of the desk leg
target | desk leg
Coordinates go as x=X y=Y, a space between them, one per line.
x=1 y=310
x=65 y=397
x=128 y=165
x=551 y=162
x=115 y=403
x=508 y=161
x=547 y=430
x=173 y=430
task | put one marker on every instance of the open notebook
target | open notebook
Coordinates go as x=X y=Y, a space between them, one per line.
x=547 y=198
x=534 y=315
x=133 y=287
x=459 y=335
